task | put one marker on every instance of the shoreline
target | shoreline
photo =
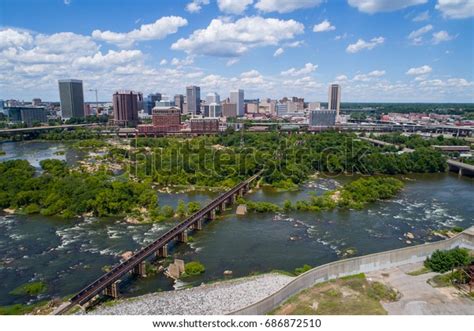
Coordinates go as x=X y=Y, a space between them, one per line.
x=215 y=298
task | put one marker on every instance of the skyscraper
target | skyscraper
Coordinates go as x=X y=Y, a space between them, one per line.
x=179 y=101
x=334 y=98
x=213 y=98
x=71 y=96
x=237 y=97
x=125 y=108
x=193 y=99
x=151 y=100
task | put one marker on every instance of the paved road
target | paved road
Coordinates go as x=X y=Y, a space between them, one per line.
x=418 y=297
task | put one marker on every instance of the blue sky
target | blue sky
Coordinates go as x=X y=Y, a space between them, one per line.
x=378 y=50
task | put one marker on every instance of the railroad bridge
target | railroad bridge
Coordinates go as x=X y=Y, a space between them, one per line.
x=107 y=283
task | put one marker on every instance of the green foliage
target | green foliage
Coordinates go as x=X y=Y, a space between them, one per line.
x=443 y=261
x=193 y=268
x=303 y=269
x=90 y=144
x=379 y=291
x=362 y=191
x=288 y=160
x=31 y=289
x=20 y=309
x=61 y=191
x=260 y=206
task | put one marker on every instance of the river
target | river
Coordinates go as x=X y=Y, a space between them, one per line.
x=68 y=254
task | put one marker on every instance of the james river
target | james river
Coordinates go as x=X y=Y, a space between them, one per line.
x=68 y=254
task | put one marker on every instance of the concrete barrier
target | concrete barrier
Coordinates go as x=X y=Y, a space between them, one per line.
x=357 y=265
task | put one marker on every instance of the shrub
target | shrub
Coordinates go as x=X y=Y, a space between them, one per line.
x=194 y=268
x=443 y=261
x=303 y=269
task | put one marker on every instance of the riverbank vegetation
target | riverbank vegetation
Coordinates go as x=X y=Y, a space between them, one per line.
x=31 y=289
x=354 y=195
x=443 y=261
x=193 y=268
x=417 y=141
x=287 y=160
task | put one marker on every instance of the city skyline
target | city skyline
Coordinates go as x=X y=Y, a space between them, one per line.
x=378 y=51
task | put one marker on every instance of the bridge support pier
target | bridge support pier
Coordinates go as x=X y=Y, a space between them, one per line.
x=198 y=225
x=162 y=252
x=140 y=269
x=112 y=290
x=183 y=237
x=460 y=172
x=212 y=215
x=222 y=206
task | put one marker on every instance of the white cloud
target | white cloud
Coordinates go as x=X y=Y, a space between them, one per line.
x=231 y=39
x=341 y=78
x=188 y=60
x=441 y=36
x=163 y=62
x=341 y=36
x=14 y=38
x=195 y=6
x=416 y=36
x=423 y=16
x=308 y=68
x=375 y=6
x=324 y=26
x=423 y=70
x=67 y=2
x=456 y=9
x=368 y=77
x=285 y=6
x=362 y=44
x=158 y=30
x=232 y=61
x=233 y=6
x=111 y=58
x=278 y=52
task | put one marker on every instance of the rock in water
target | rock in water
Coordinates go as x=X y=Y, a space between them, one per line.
x=241 y=210
x=228 y=273
x=126 y=255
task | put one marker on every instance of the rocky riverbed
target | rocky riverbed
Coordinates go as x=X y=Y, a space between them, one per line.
x=208 y=299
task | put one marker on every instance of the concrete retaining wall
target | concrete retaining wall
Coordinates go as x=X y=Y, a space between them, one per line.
x=357 y=265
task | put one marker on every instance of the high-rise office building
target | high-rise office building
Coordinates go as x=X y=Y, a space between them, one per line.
x=71 y=96
x=125 y=108
x=27 y=115
x=179 y=101
x=213 y=98
x=150 y=101
x=334 y=98
x=193 y=99
x=215 y=110
x=237 y=97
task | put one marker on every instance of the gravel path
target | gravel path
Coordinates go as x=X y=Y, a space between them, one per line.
x=213 y=299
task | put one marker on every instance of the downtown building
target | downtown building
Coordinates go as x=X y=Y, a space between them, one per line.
x=334 y=98
x=28 y=115
x=126 y=107
x=71 y=95
x=193 y=100
x=150 y=102
x=322 y=118
x=237 y=98
x=165 y=119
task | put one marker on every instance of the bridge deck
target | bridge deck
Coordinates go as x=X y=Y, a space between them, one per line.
x=91 y=290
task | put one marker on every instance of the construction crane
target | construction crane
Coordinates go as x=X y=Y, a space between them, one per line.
x=96 y=97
